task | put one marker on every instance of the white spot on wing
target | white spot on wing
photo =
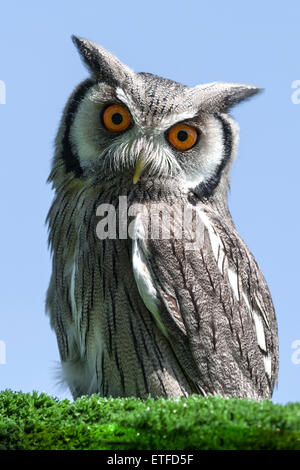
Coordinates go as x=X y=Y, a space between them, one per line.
x=76 y=311
x=260 y=333
x=221 y=259
x=256 y=315
x=268 y=365
x=215 y=240
x=143 y=276
x=262 y=310
x=233 y=279
x=72 y=291
x=245 y=297
x=259 y=330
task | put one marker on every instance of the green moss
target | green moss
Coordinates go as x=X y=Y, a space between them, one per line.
x=33 y=421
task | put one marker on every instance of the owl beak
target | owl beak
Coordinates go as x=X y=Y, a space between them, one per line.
x=138 y=168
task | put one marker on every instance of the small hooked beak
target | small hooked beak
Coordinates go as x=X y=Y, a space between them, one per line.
x=138 y=168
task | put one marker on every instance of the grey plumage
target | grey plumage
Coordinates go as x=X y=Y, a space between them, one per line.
x=148 y=316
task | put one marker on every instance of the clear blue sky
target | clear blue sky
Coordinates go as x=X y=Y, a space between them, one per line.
x=191 y=42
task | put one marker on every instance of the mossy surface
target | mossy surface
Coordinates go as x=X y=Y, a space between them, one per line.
x=38 y=421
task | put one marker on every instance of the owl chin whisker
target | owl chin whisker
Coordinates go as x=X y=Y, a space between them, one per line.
x=157 y=162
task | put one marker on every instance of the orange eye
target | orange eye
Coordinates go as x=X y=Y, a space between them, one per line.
x=182 y=136
x=116 y=118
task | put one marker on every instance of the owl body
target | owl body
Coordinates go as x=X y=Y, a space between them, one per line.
x=137 y=314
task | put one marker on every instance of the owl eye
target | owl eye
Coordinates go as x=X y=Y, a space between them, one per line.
x=182 y=136
x=116 y=118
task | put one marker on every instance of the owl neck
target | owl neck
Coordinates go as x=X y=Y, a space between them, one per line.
x=95 y=190
x=216 y=198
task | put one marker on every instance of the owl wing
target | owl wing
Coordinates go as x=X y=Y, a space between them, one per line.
x=211 y=302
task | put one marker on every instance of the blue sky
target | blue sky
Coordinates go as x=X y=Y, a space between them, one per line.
x=191 y=42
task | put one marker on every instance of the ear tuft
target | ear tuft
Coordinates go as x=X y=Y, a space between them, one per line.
x=234 y=93
x=89 y=53
x=220 y=96
x=103 y=65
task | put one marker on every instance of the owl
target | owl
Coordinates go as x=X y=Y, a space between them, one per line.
x=138 y=312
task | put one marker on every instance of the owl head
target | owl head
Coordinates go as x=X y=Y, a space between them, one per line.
x=142 y=127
